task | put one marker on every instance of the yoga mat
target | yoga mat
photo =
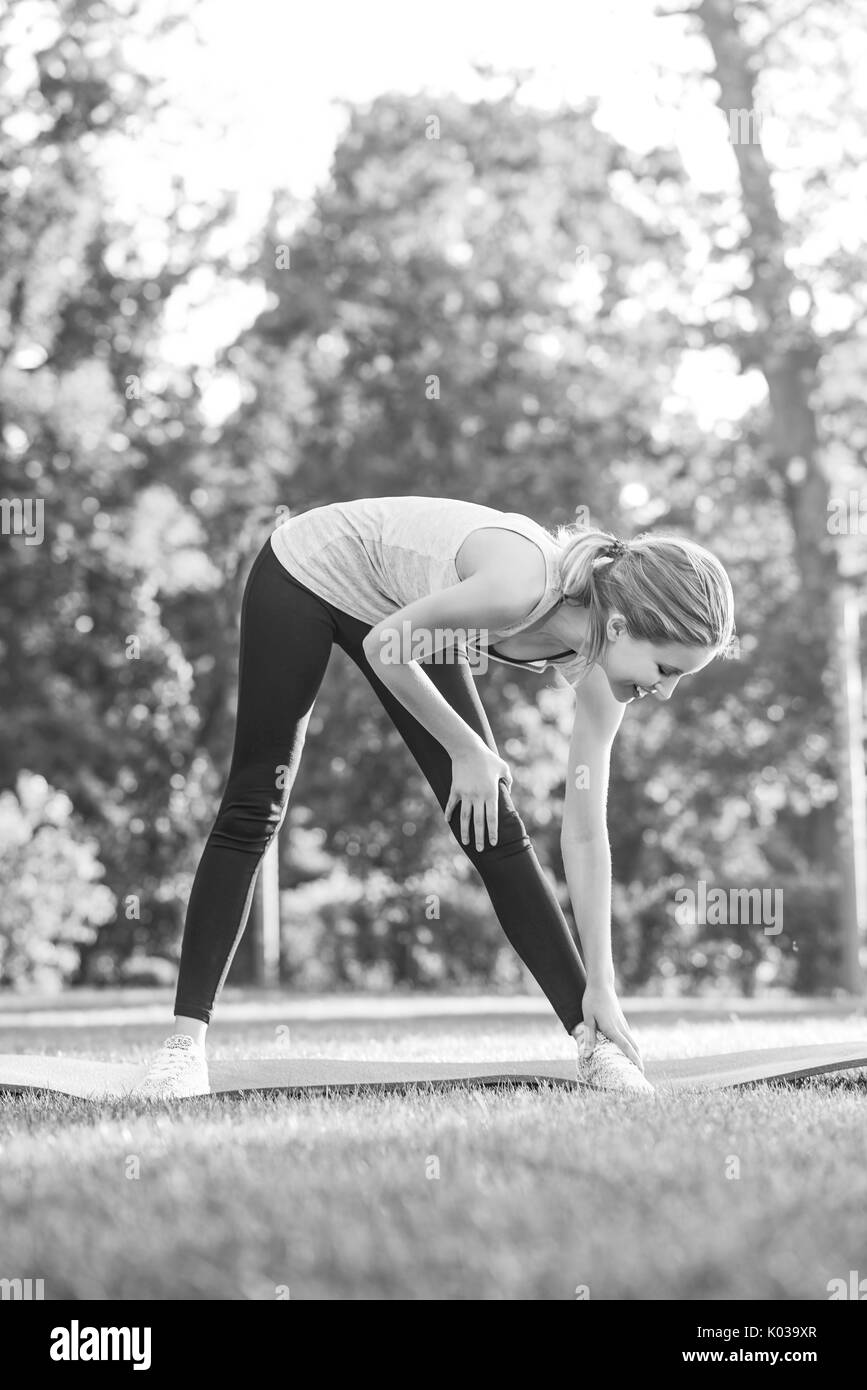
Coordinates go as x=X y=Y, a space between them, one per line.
x=74 y=1076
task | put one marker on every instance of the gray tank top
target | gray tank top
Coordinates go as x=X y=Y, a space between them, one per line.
x=372 y=556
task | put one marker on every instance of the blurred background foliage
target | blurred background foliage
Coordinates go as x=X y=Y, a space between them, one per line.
x=548 y=282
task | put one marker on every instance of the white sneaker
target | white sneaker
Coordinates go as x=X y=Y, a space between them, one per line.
x=609 y=1069
x=180 y=1068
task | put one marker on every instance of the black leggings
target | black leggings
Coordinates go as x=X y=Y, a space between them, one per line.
x=286 y=636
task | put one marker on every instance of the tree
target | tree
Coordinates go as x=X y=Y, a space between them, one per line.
x=782 y=337
x=97 y=693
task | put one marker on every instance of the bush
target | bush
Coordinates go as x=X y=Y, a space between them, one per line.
x=435 y=931
x=50 y=901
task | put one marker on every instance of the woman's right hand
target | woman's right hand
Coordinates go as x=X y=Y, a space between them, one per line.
x=476 y=778
x=601 y=1009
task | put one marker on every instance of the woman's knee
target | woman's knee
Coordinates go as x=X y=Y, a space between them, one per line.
x=252 y=810
x=512 y=835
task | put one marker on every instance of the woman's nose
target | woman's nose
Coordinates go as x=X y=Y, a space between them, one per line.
x=663 y=689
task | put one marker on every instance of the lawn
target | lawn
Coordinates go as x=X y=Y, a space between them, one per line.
x=509 y=1193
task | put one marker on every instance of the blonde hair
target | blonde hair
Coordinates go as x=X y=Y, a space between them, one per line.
x=668 y=588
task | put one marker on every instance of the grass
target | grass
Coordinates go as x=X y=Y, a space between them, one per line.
x=509 y=1193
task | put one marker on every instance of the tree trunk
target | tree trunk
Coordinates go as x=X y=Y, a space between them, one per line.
x=786 y=350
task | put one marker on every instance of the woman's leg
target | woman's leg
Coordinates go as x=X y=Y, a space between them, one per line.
x=522 y=897
x=285 y=643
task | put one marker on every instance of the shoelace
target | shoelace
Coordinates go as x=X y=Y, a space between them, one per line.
x=606 y=1054
x=612 y=1059
x=604 y=1042
x=169 y=1062
x=615 y=1066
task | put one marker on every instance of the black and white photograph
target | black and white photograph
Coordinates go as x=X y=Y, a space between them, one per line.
x=433 y=547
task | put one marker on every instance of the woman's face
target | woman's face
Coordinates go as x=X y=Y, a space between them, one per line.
x=636 y=668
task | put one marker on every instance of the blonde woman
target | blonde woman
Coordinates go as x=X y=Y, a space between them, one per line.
x=405 y=585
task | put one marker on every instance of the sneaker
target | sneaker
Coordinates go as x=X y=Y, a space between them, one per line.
x=609 y=1069
x=180 y=1068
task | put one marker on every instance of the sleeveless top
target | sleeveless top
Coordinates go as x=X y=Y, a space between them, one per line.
x=372 y=556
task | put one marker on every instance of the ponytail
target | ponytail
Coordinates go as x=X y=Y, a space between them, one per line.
x=668 y=588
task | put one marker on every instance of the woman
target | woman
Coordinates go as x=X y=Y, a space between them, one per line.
x=397 y=582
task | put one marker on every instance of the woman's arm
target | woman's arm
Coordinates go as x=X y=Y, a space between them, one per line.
x=395 y=645
x=587 y=856
x=584 y=831
x=587 y=864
